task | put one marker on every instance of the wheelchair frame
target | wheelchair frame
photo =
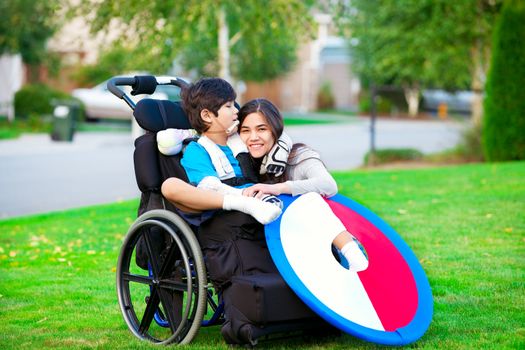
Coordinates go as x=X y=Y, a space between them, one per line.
x=175 y=285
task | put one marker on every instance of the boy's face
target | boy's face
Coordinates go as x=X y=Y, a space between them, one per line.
x=226 y=116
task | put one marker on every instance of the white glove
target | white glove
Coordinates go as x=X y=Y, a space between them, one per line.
x=275 y=161
x=169 y=141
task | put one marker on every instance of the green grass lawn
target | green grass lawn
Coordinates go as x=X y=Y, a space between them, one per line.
x=466 y=224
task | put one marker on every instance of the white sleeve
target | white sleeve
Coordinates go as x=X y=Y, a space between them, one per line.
x=312 y=176
x=214 y=184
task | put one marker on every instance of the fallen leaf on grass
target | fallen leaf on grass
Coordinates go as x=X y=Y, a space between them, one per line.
x=508 y=229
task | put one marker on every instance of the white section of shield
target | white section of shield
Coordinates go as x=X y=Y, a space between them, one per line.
x=308 y=227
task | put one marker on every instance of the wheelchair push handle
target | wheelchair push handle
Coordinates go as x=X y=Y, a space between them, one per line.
x=141 y=84
x=113 y=84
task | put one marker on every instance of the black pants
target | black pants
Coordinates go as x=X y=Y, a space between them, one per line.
x=233 y=244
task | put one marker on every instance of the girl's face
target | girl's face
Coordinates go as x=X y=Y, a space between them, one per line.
x=256 y=134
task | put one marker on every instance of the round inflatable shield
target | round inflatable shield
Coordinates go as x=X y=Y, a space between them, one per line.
x=388 y=303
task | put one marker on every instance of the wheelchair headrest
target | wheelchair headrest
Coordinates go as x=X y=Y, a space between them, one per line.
x=155 y=115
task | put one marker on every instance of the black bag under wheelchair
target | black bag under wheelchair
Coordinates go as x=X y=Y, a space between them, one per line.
x=165 y=263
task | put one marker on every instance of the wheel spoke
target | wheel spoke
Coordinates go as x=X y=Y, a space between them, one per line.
x=153 y=257
x=169 y=261
x=172 y=305
x=173 y=285
x=151 y=307
x=127 y=276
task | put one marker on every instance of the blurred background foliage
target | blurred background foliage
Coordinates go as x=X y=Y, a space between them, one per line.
x=263 y=37
x=25 y=27
x=504 y=122
x=419 y=44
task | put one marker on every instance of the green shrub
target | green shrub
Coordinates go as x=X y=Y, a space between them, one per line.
x=35 y=99
x=32 y=124
x=325 y=97
x=383 y=104
x=470 y=147
x=390 y=155
x=504 y=119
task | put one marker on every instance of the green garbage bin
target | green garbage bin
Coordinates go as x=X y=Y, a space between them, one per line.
x=65 y=115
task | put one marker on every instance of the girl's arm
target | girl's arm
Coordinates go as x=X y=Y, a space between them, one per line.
x=310 y=176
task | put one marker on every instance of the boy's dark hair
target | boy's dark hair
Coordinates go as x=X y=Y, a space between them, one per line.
x=207 y=93
x=268 y=111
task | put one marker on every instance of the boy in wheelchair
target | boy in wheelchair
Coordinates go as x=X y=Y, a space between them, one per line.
x=232 y=239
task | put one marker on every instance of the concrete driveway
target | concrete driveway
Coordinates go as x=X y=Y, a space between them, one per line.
x=38 y=175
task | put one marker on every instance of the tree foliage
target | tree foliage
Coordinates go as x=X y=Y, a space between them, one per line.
x=419 y=43
x=263 y=40
x=504 y=120
x=25 y=27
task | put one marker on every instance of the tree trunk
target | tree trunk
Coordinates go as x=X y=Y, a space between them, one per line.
x=478 y=81
x=224 y=46
x=412 y=98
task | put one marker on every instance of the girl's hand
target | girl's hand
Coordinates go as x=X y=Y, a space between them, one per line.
x=258 y=190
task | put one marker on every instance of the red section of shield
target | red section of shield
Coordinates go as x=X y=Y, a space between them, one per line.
x=388 y=280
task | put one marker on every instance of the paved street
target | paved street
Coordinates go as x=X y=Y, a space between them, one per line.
x=343 y=146
x=38 y=175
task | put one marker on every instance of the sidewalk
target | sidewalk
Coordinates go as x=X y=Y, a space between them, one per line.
x=39 y=175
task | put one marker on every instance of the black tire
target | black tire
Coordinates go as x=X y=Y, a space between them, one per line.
x=176 y=286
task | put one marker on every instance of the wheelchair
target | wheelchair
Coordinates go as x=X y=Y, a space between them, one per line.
x=162 y=282
x=164 y=301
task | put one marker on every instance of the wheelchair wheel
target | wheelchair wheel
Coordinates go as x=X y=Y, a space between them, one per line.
x=176 y=285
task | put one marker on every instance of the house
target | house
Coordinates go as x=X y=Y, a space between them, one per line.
x=325 y=60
